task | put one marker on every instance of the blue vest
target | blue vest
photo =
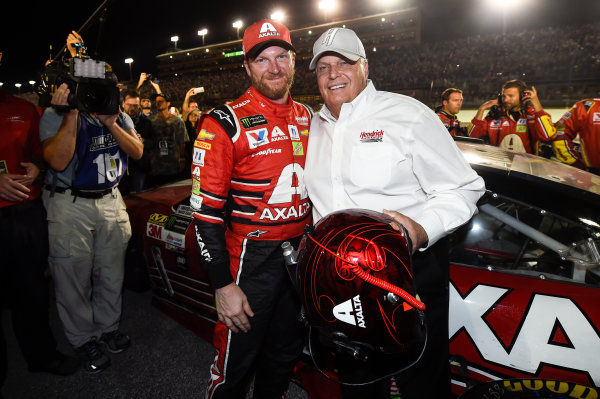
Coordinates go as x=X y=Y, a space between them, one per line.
x=100 y=162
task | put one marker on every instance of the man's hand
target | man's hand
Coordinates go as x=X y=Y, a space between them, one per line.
x=73 y=39
x=11 y=189
x=532 y=95
x=416 y=232
x=484 y=107
x=108 y=120
x=233 y=308
x=31 y=173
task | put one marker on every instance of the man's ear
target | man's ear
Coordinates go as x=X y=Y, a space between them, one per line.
x=247 y=67
x=366 y=65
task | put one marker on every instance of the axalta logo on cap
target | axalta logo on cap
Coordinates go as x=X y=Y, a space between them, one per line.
x=267 y=29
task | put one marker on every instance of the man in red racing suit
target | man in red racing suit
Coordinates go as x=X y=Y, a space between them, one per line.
x=517 y=126
x=248 y=196
x=584 y=119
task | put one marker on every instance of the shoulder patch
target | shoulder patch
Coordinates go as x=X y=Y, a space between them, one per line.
x=226 y=118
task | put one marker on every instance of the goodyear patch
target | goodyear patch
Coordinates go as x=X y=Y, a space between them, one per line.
x=253 y=120
x=204 y=135
x=298 y=149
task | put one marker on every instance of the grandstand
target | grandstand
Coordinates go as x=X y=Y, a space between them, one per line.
x=562 y=62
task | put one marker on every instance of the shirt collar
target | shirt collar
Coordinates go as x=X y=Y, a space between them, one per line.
x=271 y=107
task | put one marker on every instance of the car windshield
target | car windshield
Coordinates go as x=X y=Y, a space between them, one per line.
x=516 y=237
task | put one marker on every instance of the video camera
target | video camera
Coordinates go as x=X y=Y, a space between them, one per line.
x=92 y=84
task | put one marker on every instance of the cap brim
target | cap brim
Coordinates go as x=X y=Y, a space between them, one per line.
x=254 y=51
x=350 y=56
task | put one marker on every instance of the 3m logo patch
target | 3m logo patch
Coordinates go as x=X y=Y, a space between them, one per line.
x=350 y=312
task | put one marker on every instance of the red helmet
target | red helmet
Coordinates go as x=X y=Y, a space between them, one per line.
x=354 y=275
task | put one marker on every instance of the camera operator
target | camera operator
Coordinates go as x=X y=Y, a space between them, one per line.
x=452 y=100
x=88 y=225
x=516 y=120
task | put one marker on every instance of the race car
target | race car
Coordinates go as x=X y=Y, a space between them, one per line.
x=524 y=277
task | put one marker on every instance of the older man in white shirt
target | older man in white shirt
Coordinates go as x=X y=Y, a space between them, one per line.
x=388 y=152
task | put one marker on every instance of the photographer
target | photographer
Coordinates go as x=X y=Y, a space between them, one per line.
x=88 y=225
x=190 y=105
x=516 y=120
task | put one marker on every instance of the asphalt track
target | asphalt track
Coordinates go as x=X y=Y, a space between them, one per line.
x=166 y=360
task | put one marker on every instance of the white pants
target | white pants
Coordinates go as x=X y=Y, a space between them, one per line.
x=88 y=239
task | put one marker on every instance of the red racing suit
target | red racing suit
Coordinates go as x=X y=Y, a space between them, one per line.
x=521 y=134
x=248 y=195
x=451 y=122
x=583 y=119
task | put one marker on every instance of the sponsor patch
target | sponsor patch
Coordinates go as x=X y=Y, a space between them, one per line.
x=198 y=157
x=302 y=120
x=204 y=135
x=256 y=233
x=521 y=129
x=240 y=104
x=202 y=144
x=3 y=167
x=257 y=137
x=596 y=117
x=196 y=186
x=253 y=121
x=298 y=148
x=268 y=151
x=195 y=201
x=294 y=134
x=304 y=132
x=196 y=173
x=495 y=123
x=371 y=137
x=350 y=312
x=158 y=218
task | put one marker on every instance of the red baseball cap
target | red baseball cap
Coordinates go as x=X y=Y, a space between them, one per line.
x=263 y=34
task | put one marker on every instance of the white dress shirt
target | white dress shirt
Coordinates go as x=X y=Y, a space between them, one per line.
x=390 y=151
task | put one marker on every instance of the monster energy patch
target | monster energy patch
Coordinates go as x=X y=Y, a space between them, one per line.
x=253 y=120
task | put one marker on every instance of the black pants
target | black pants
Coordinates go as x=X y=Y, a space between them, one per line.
x=24 y=251
x=271 y=348
x=430 y=377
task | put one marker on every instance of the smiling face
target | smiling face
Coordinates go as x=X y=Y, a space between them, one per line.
x=272 y=73
x=340 y=80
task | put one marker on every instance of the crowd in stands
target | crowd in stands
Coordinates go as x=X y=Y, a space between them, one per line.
x=564 y=62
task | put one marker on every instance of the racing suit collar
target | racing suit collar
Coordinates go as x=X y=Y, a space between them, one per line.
x=270 y=107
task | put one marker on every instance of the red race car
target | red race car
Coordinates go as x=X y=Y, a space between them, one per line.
x=524 y=278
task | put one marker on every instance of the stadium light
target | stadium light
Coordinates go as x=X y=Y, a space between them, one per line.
x=202 y=32
x=175 y=39
x=129 y=61
x=237 y=25
x=278 y=16
x=506 y=7
x=18 y=86
x=327 y=6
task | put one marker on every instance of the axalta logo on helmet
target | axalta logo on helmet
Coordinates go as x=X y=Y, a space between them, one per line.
x=350 y=312
x=267 y=29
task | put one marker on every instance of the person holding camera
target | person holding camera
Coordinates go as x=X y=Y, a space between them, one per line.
x=88 y=226
x=24 y=241
x=516 y=120
x=190 y=105
x=452 y=100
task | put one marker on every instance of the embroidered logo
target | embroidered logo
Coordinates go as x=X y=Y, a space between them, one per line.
x=371 y=137
x=350 y=312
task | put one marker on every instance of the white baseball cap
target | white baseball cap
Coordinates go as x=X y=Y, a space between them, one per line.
x=338 y=40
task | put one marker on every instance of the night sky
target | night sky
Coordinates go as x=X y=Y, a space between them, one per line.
x=142 y=30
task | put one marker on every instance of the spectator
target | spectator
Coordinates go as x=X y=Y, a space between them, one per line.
x=24 y=241
x=146 y=105
x=452 y=100
x=582 y=119
x=146 y=77
x=383 y=151
x=167 y=150
x=191 y=126
x=516 y=120
x=188 y=104
x=88 y=225
x=248 y=197
x=137 y=170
